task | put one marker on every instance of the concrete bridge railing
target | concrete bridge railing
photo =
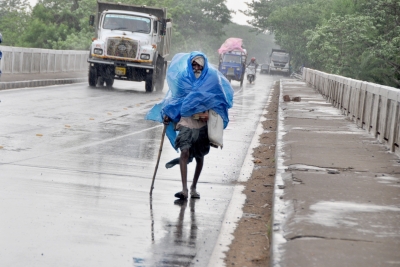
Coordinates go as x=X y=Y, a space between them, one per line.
x=17 y=60
x=372 y=107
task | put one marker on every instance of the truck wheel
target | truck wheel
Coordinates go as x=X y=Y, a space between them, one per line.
x=109 y=82
x=109 y=76
x=92 y=76
x=161 y=71
x=100 y=81
x=149 y=83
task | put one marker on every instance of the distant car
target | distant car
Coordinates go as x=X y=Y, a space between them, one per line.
x=264 y=68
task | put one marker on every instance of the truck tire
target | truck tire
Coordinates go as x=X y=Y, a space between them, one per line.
x=92 y=76
x=160 y=74
x=109 y=76
x=149 y=83
x=100 y=81
x=109 y=82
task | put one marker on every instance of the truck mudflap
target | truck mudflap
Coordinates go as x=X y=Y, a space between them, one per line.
x=135 y=65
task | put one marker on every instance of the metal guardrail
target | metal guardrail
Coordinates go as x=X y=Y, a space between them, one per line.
x=34 y=60
x=372 y=107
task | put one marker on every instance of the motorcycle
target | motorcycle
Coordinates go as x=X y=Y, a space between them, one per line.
x=251 y=74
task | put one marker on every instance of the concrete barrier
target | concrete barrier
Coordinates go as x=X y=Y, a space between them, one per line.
x=34 y=60
x=372 y=107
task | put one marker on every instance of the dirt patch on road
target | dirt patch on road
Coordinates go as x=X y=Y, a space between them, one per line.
x=251 y=243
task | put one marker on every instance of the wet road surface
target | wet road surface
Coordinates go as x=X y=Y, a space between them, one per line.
x=76 y=165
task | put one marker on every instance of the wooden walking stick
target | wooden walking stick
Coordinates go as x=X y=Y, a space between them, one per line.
x=158 y=159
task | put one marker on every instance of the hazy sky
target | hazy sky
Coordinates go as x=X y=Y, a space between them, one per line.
x=239 y=18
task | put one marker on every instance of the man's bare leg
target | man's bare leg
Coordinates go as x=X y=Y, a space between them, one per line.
x=183 y=165
x=197 y=172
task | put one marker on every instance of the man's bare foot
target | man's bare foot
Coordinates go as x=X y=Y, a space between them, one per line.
x=194 y=193
x=182 y=194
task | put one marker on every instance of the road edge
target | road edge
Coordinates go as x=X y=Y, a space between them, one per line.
x=234 y=210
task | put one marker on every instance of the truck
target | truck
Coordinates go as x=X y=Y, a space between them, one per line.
x=279 y=62
x=131 y=43
x=232 y=60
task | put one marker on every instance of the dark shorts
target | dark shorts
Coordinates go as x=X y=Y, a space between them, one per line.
x=196 y=140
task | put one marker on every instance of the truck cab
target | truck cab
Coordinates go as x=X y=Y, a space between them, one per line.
x=279 y=62
x=130 y=36
x=131 y=43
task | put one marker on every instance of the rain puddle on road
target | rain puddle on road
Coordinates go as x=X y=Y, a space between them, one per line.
x=335 y=214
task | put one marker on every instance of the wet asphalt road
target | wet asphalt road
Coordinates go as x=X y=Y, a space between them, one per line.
x=76 y=165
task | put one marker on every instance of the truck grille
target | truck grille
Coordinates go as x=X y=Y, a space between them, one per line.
x=120 y=47
x=279 y=64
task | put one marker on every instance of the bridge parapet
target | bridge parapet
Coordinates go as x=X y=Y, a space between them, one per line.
x=34 y=60
x=373 y=107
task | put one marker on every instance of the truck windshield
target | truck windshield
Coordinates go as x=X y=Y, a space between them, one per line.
x=127 y=23
x=232 y=58
x=281 y=57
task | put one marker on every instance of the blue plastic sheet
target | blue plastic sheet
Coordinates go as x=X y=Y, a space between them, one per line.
x=187 y=95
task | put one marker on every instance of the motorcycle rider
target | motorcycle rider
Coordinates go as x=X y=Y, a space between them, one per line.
x=254 y=64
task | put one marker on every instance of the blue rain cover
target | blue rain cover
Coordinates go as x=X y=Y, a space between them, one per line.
x=187 y=95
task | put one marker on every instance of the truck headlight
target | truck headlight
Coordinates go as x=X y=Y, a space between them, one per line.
x=223 y=67
x=145 y=56
x=98 y=51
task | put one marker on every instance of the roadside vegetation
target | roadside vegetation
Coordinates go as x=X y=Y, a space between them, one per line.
x=64 y=25
x=359 y=39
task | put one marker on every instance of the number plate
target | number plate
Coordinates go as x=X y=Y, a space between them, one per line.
x=231 y=71
x=120 y=71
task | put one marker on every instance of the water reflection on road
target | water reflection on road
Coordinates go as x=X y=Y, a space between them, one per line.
x=181 y=236
x=79 y=195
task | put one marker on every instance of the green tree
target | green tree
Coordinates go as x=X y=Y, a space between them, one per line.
x=355 y=38
x=58 y=24
x=289 y=24
x=337 y=46
x=385 y=15
x=7 y=6
x=14 y=17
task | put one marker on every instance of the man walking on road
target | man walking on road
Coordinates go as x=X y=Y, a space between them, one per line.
x=192 y=140
x=195 y=88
